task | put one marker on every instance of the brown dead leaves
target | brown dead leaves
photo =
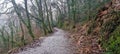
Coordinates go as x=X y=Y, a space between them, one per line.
x=86 y=44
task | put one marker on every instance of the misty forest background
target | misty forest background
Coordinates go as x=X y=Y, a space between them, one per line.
x=25 y=21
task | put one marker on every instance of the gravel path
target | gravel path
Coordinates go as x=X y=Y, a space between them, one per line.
x=56 y=43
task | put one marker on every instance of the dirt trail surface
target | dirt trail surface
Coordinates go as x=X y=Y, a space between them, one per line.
x=56 y=43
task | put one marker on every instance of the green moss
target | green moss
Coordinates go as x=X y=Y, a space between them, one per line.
x=113 y=44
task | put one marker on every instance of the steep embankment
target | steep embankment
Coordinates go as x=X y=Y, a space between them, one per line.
x=100 y=35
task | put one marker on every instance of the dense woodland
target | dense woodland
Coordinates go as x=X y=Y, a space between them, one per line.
x=26 y=21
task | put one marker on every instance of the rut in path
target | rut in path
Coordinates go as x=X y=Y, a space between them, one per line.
x=56 y=43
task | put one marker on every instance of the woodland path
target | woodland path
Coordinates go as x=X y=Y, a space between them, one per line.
x=55 y=43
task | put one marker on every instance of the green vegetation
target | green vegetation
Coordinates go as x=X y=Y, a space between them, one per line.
x=112 y=45
x=32 y=19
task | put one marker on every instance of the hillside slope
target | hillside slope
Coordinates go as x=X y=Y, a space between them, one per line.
x=100 y=35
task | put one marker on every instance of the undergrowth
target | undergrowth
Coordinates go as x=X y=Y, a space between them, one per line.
x=112 y=45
